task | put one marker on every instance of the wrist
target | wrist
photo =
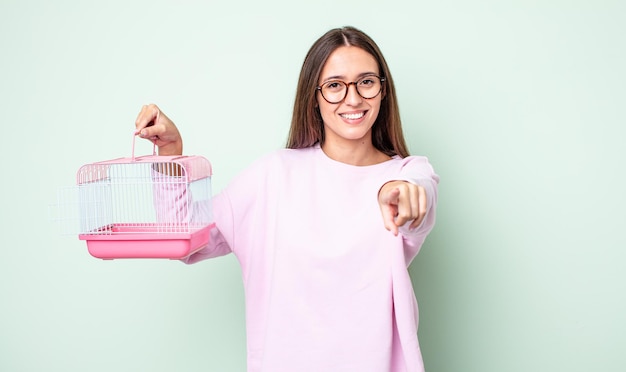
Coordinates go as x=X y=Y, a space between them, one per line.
x=171 y=149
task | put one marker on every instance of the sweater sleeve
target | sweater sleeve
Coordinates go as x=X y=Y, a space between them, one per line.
x=174 y=204
x=217 y=244
x=418 y=170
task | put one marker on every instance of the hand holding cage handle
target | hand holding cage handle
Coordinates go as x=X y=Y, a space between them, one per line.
x=170 y=169
x=154 y=125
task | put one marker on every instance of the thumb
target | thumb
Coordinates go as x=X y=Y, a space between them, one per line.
x=388 y=201
x=148 y=132
x=390 y=197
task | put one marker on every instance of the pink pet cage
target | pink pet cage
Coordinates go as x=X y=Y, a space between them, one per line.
x=145 y=207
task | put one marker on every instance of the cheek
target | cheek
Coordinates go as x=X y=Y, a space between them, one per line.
x=326 y=110
x=376 y=109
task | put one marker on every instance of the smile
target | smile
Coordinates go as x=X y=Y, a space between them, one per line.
x=353 y=116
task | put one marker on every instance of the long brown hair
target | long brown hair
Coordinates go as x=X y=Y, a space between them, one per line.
x=307 y=127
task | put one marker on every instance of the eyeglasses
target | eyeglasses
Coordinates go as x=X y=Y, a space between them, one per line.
x=335 y=91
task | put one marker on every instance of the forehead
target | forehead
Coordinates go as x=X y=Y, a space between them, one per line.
x=349 y=62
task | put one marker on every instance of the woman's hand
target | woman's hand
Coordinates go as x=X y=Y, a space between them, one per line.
x=401 y=202
x=152 y=124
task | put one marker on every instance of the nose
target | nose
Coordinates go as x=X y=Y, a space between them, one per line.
x=353 y=98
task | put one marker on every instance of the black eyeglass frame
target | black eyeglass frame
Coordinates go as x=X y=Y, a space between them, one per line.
x=356 y=86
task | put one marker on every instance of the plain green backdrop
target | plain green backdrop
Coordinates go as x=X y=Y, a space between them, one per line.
x=518 y=104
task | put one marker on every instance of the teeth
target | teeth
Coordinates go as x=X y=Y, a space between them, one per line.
x=353 y=116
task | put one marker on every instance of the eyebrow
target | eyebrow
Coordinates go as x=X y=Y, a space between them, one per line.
x=340 y=77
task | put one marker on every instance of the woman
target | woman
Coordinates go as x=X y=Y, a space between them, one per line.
x=325 y=229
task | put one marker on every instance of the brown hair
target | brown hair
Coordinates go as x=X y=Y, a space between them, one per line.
x=307 y=127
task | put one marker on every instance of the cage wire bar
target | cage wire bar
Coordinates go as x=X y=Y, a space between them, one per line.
x=143 y=196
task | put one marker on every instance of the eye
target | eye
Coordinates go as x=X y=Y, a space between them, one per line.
x=333 y=86
x=367 y=82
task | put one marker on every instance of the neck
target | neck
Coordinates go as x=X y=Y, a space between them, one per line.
x=358 y=153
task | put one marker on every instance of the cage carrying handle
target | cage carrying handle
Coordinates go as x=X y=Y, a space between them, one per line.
x=135 y=132
x=132 y=155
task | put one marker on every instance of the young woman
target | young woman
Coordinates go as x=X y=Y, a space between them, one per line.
x=325 y=229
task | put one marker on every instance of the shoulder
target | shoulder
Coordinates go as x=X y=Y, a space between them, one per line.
x=416 y=167
x=275 y=160
x=295 y=154
x=285 y=156
x=413 y=160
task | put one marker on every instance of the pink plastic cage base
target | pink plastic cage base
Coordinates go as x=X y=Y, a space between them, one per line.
x=130 y=242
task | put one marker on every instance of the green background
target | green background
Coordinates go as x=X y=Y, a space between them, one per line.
x=518 y=104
